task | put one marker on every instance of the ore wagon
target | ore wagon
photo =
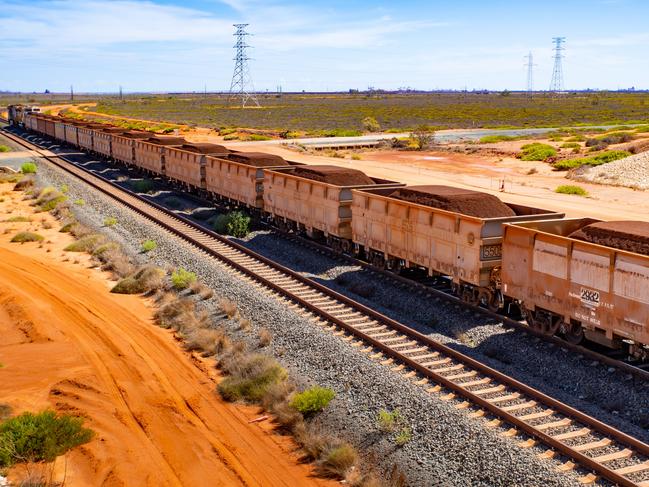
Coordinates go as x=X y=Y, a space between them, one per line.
x=186 y=164
x=238 y=179
x=316 y=200
x=40 y=124
x=150 y=153
x=59 y=129
x=445 y=231
x=566 y=284
x=123 y=145
x=103 y=138
x=86 y=133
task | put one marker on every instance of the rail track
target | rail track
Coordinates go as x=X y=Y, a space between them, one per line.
x=605 y=452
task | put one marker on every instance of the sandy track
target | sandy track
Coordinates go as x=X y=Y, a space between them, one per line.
x=69 y=344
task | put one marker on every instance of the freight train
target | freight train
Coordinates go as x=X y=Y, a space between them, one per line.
x=578 y=278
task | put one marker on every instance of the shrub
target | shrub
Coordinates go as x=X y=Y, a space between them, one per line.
x=182 y=278
x=114 y=260
x=537 y=152
x=615 y=138
x=265 y=337
x=203 y=340
x=371 y=124
x=18 y=219
x=603 y=158
x=570 y=145
x=338 y=460
x=28 y=168
x=40 y=437
x=229 y=307
x=142 y=186
x=258 y=137
x=103 y=248
x=389 y=421
x=235 y=223
x=23 y=237
x=64 y=189
x=49 y=199
x=87 y=243
x=145 y=280
x=67 y=227
x=5 y=409
x=148 y=246
x=231 y=137
x=110 y=221
x=571 y=189
x=492 y=139
x=404 y=436
x=576 y=138
x=23 y=184
x=251 y=378
x=79 y=202
x=312 y=400
x=227 y=131
x=5 y=148
x=356 y=157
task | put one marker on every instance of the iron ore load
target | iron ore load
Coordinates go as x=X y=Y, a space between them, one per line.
x=573 y=277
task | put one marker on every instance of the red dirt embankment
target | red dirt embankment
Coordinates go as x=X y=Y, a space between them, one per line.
x=70 y=345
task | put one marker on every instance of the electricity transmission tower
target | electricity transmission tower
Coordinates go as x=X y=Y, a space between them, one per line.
x=241 y=86
x=556 y=84
x=530 y=73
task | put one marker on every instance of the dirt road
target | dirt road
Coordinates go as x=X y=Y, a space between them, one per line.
x=70 y=345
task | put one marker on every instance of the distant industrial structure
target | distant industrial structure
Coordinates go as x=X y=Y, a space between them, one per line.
x=556 y=85
x=530 y=73
x=242 y=87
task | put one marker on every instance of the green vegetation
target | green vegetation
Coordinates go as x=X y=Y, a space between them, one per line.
x=28 y=168
x=255 y=374
x=64 y=189
x=337 y=114
x=22 y=237
x=371 y=124
x=576 y=138
x=87 y=243
x=48 y=199
x=16 y=219
x=110 y=221
x=492 y=139
x=258 y=138
x=67 y=227
x=603 y=158
x=389 y=421
x=570 y=145
x=40 y=437
x=537 y=152
x=148 y=246
x=339 y=460
x=312 y=400
x=181 y=278
x=404 y=436
x=80 y=202
x=144 y=280
x=571 y=189
x=5 y=148
x=235 y=223
x=142 y=186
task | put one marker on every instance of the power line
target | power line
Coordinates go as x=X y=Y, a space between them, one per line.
x=556 y=84
x=530 y=72
x=241 y=85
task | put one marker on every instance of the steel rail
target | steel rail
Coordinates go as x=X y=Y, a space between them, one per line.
x=262 y=270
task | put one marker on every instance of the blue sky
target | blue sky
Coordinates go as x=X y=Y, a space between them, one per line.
x=171 y=45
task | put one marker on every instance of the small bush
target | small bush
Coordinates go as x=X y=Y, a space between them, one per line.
x=537 y=152
x=312 y=400
x=28 y=168
x=64 y=189
x=117 y=262
x=570 y=145
x=18 y=219
x=258 y=137
x=23 y=237
x=235 y=223
x=23 y=184
x=174 y=312
x=371 y=124
x=492 y=139
x=231 y=137
x=5 y=148
x=356 y=157
x=404 y=436
x=229 y=307
x=265 y=337
x=203 y=340
x=571 y=189
x=87 y=243
x=603 y=158
x=181 y=278
x=338 y=461
x=251 y=378
x=103 y=248
x=49 y=199
x=5 y=409
x=145 y=280
x=148 y=246
x=67 y=228
x=110 y=221
x=80 y=202
x=142 y=186
x=389 y=421
x=40 y=437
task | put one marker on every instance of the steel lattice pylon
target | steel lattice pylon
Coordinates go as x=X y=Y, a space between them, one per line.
x=241 y=86
x=530 y=73
x=556 y=84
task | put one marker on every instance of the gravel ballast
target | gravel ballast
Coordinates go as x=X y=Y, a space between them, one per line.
x=448 y=447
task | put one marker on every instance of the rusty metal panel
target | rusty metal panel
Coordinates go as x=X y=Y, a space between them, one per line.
x=550 y=258
x=149 y=156
x=102 y=143
x=71 y=134
x=59 y=130
x=187 y=167
x=590 y=268
x=85 y=135
x=234 y=180
x=122 y=149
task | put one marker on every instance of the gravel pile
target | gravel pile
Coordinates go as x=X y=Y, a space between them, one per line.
x=448 y=447
x=632 y=171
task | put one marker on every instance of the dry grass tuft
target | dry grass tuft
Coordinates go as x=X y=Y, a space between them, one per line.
x=22 y=237
x=203 y=340
x=229 y=307
x=200 y=289
x=145 y=280
x=338 y=461
x=244 y=324
x=87 y=243
x=117 y=262
x=250 y=377
x=265 y=337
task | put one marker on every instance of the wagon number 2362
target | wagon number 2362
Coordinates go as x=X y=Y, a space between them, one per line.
x=588 y=296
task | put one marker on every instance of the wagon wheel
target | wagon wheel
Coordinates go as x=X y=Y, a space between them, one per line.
x=574 y=333
x=489 y=299
x=469 y=296
x=378 y=261
x=545 y=323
